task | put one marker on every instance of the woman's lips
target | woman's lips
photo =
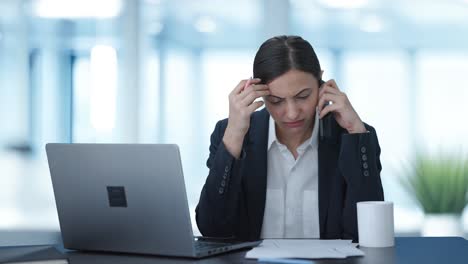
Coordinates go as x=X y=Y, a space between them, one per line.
x=294 y=124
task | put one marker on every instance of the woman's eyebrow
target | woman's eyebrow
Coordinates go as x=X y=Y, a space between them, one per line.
x=303 y=90
x=276 y=97
x=281 y=98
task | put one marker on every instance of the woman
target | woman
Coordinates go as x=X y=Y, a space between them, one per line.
x=271 y=174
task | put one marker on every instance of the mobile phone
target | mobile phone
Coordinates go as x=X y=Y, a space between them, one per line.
x=326 y=123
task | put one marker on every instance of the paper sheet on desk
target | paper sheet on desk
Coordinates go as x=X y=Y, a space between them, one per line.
x=304 y=248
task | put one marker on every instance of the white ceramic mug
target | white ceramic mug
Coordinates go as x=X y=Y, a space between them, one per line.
x=375 y=224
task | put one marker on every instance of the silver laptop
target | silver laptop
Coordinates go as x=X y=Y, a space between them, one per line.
x=126 y=198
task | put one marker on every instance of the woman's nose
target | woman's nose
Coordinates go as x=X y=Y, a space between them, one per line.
x=292 y=111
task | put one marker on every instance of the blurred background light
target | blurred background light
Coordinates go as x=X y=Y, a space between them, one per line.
x=77 y=8
x=372 y=24
x=344 y=3
x=103 y=83
x=205 y=24
x=155 y=28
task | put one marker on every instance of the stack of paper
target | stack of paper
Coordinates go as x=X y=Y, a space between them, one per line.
x=304 y=248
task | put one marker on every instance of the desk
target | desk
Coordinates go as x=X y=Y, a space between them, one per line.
x=412 y=250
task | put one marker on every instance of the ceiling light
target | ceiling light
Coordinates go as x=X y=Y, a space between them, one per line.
x=205 y=24
x=77 y=8
x=344 y=3
x=372 y=24
x=153 y=2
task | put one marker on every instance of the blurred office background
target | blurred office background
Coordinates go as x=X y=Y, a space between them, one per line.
x=159 y=71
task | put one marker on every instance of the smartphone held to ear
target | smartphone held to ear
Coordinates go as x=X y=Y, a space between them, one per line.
x=327 y=124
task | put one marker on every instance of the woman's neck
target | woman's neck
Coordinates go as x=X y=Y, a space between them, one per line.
x=293 y=141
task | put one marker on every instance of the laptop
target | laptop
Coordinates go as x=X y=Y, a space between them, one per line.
x=127 y=198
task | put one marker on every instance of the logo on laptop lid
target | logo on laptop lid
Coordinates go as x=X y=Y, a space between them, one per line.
x=116 y=195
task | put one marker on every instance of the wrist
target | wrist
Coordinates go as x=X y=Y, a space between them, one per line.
x=234 y=134
x=358 y=128
x=233 y=142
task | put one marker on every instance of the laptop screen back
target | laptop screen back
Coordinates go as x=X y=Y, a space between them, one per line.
x=121 y=197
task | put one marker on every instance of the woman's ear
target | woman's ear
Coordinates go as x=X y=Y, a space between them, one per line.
x=321 y=82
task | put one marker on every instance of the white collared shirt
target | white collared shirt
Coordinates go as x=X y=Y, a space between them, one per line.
x=291 y=207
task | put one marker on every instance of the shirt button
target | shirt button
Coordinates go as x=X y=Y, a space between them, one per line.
x=365 y=165
x=366 y=173
x=364 y=157
x=225 y=176
x=221 y=190
x=223 y=183
x=226 y=169
x=363 y=149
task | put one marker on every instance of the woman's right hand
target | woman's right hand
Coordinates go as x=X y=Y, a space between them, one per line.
x=241 y=106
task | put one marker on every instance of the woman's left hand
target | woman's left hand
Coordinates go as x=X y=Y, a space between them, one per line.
x=342 y=109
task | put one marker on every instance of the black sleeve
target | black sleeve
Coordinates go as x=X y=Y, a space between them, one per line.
x=216 y=212
x=359 y=163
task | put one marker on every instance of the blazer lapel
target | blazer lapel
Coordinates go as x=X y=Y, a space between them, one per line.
x=327 y=165
x=255 y=171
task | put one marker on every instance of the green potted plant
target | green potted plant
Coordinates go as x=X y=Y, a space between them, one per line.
x=439 y=185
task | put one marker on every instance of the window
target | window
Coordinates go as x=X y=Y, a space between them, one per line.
x=94 y=95
x=442 y=100
x=377 y=84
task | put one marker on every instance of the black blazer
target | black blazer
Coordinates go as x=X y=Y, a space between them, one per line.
x=232 y=201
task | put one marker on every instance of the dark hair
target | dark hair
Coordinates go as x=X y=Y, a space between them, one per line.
x=280 y=54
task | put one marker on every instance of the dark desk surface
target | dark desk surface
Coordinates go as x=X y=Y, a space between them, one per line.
x=429 y=250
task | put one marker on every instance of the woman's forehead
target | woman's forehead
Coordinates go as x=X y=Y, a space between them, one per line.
x=292 y=82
